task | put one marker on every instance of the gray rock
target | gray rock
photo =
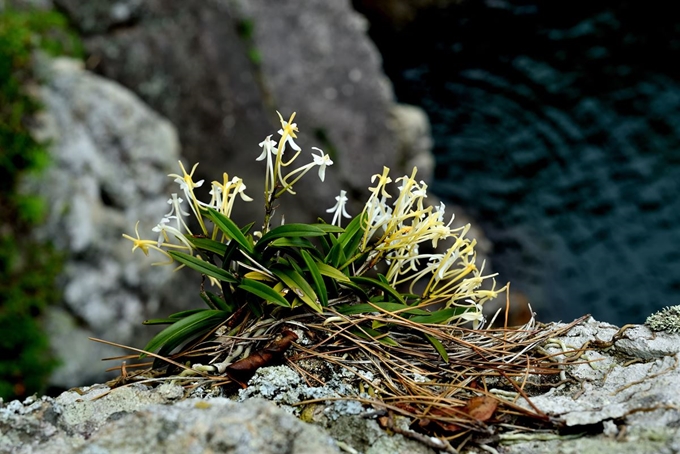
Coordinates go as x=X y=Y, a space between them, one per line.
x=624 y=400
x=330 y=73
x=623 y=391
x=137 y=419
x=340 y=416
x=99 y=17
x=628 y=389
x=219 y=425
x=411 y=128
x=230 y=64
x=110 y=155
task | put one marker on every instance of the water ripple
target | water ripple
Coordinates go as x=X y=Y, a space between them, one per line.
x=561 y=133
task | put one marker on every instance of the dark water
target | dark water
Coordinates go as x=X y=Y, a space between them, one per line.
x=557 y=125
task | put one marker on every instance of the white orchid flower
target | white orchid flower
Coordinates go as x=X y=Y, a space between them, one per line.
x=322 y=161
x=338 y=209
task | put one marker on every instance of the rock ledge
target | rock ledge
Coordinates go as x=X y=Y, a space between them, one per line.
x=623 y=397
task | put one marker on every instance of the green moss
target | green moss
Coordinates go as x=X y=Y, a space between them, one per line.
x=254 y=56
x=28 y=268
x=246 y=31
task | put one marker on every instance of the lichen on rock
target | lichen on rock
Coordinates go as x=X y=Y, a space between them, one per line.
x=667 y=319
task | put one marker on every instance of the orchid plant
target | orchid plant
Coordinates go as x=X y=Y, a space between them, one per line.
x=373 y=264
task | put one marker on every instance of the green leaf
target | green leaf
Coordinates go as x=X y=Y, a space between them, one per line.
x=178 y=315
x=263 y=291
x=217 y=302
x=159 y=321
x=228 y=253
x=331 y=272
x=207 y=300
x=230 y=229
x=288 y=231
x=293 y=263
x=438 y=346
x=294 y=281
x=336 y=255
x=325 y=245
x=352 y=309
x=360 y=257
x=246 y=228
x=375 y=324
x=186 y=329
x=371 y=334
x=439 y=316
x=319 y=285
x=378 y=284
x=206 y=244
x=292 y=242
x=351 y=238
x=357 y=288
x=329 y=228
x=255 y=309
x=203 y=267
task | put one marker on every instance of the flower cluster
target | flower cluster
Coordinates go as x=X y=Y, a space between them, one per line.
x=397 y=241
x=173 y=231
x=277 y=182
x=397 y=232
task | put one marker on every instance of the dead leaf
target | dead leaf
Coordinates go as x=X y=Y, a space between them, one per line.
x=481 y=408
x=245 y=368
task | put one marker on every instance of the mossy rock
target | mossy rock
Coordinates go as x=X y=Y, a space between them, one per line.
x=28 y=268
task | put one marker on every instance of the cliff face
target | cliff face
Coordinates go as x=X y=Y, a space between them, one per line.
x=218 y=70
x=109 y=156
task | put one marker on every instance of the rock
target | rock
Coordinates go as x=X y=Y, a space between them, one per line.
x=330 y=73
x=620 y=399
x=340 y=417
x=137 y=419
x=411 y=128
x=219 y=425
x=625 y=392
x=231 y=64
x=202 y=80
x=110 y=154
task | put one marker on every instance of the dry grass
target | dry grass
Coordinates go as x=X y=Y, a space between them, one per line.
x=472 y=395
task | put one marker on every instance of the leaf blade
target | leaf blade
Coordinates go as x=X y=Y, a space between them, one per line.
x=299 y=286
x=438 y=346
x=332 y=272
x=298 y=242
x=317 y=279
x=206 y=244
x=186 y=328
x=436 y=317
x=230 y=229
x=203 y=267
x=378 y=284
x=353 y=309
x=371 y=334
x=263 y=291
x=288 y=231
